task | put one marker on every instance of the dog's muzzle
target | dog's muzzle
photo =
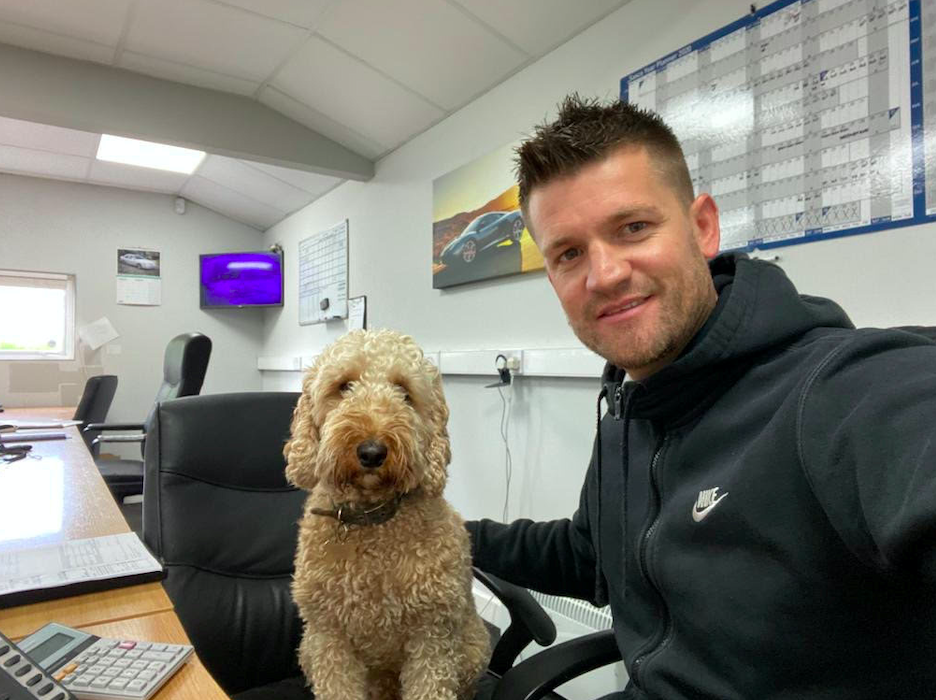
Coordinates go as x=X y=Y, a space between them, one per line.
x=371 y=453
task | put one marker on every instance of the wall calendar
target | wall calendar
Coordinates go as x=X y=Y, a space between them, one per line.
x=806 y=119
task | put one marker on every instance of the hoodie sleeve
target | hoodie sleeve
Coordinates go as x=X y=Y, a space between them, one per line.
x=867 y=439
x=555 y=557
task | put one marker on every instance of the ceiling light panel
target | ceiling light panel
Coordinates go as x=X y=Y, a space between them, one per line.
x=147 y=154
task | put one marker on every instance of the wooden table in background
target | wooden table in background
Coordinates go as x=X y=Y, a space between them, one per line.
x=60 y=497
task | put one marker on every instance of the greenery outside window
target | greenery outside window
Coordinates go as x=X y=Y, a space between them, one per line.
x=37 y=316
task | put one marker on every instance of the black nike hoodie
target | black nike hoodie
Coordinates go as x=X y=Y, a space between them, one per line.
x=761 y=514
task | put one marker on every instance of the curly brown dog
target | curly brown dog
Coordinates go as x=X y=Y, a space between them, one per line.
x=383 y=567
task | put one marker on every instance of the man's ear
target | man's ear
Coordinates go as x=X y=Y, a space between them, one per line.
x=703 y=212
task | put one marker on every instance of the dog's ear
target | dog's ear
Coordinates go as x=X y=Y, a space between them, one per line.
x=440 y=452
x=302 y=449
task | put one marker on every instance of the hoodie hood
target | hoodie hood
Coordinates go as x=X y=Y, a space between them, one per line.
x=758 y=309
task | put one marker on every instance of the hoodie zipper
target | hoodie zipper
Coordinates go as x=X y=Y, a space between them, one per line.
x=660 y=639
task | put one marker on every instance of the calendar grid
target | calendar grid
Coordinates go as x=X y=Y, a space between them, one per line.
x=805 y=120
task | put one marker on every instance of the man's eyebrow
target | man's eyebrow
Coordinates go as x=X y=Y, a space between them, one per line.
x=634 y=211
x=556 y=244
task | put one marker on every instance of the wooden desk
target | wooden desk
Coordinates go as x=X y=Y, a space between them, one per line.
x=60 y=497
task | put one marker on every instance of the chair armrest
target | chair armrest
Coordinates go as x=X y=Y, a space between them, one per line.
x=118 y=438
x=528 y=621
x=546 y=670
x=112 y=426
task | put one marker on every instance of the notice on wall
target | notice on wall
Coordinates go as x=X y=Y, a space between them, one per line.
x=323 y=275
x=98 y=333
x=138 y=277
x=357 y=313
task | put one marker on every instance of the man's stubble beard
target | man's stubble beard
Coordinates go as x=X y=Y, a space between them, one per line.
x=680 y=317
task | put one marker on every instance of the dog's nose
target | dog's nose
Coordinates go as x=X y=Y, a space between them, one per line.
x=371 y=453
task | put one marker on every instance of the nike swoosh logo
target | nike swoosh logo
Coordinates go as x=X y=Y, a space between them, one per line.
x=699 y=515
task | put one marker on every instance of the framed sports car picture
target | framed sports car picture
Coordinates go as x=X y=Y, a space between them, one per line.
x=477 y=229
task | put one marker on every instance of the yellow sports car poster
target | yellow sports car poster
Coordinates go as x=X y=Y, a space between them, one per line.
x=477 y=228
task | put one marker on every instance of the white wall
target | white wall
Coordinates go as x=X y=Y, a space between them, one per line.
x=52 y=226
x=880 y=279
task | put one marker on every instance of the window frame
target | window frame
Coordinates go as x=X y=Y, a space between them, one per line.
x=68 y=283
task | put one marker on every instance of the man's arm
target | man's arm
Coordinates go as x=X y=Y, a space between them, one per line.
x=555 y=557
x=868 y=443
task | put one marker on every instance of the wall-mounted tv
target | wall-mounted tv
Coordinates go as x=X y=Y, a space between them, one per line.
x=239 y=280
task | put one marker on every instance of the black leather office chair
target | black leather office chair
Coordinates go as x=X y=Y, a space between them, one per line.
x=184 y=365
x=93 y=406
x=219 y=513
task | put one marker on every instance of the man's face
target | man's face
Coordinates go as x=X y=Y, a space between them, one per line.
x=627 y=258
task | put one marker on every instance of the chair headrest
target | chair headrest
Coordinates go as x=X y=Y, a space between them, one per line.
x=186 y=362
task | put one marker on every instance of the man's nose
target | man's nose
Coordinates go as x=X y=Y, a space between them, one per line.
x=608 y=268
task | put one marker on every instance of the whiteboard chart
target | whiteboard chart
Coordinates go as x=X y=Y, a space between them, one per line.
x=805 y=120
x=323 y=275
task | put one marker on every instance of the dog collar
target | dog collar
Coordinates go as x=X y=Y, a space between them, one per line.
x=355 y=514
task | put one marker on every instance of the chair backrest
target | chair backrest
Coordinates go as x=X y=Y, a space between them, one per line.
x=185 y=363
x=94 y=404
x=219 y=513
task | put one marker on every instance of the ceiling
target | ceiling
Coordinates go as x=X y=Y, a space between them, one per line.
x=368 y=75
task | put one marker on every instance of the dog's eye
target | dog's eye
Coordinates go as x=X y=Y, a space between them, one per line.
x=406 y=395
x=344 y=388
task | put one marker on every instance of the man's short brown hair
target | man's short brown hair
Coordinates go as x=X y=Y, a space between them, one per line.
x=587 y=131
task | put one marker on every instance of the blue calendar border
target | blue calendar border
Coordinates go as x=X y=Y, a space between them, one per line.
x=916 y=119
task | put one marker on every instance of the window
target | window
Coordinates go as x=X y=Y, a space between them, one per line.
x=37 y=316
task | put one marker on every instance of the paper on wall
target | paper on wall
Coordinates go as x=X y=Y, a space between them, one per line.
x=97 y=333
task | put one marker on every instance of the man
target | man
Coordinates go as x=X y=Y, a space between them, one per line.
x=760 y=508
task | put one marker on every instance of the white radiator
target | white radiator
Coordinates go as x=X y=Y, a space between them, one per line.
x=573 y=618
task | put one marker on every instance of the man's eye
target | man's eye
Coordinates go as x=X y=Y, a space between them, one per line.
x=636 y=226
x=570 y=254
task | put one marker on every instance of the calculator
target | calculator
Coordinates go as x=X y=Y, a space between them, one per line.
x=21 y=678
x=99 y=668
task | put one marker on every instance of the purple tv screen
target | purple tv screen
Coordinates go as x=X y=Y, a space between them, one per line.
x=234 y=280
